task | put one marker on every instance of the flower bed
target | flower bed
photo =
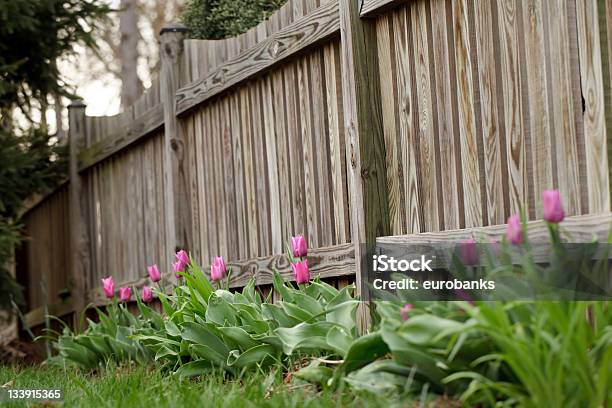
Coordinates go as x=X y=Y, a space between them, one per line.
x=526 y=353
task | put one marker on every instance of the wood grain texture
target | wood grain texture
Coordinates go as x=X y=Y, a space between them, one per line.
x=321 y=144
x=538 y=105
x=592 y=91
x=190 y=130
x=515 y=144
x=249 y=172
x=337 y=142
x=112 y=143
x=510 y=119
x=308 y=160
x=363 y=121
x=442 y=91
x=582 y=228
x=301 y=34
x=565 y=135
x=467 y=118
x=283 y=165
x=261 y=171
x=47 y=250
x=294 y=134
x=429 y=194
x=407 y=109
x=388 y=95
x=492 y=140
x=373 y=8
x=605 y=36
x=272 y=161
x=239 y=181
x=177 y=206
x=79 y=228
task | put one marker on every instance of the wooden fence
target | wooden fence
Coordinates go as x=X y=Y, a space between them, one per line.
x=348 y=121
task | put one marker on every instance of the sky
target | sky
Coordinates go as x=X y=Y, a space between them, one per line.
x=101 y=92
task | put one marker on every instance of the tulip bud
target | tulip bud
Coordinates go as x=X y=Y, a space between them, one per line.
x=553 y=208
x=299 y=247
x=154 y=274
x=125 y=294
x=300 y=271
x=217 y=269
x=147 y=294
x=182 y=257
x=177 y=267
x=404 y=311
x=514 y=231
x=109 y=287
x=468 y=251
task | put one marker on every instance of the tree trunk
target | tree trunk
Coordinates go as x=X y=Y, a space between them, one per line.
x=131 y=87
x=59 y=126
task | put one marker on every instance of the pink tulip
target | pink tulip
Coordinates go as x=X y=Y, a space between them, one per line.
x=217 y=269
x=468 y=251
x=147 y=294
x=514 y=231
x=177 y=267
x=404 y=311
x=154 y=274
x=182 y=260
x=553 y=208
x=182 y=257
x=300 y=271
x=299 y=247
x=125 y=294
x=109 y=287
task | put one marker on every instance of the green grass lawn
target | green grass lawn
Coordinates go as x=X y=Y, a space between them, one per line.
x=142 y=387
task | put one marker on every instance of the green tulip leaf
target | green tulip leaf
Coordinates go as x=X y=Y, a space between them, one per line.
x=255 y=355
x=202 y=335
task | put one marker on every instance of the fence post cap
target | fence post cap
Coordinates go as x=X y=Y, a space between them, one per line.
x=173 y=28
x=77 y=103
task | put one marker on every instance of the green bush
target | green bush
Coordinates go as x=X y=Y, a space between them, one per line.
x=217 y=19
x=206 y=328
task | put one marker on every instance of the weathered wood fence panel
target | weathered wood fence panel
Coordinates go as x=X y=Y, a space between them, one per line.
x=479 y=102
x=126 y=214
x=269 y=162
x=44 y=259
x=464 y=111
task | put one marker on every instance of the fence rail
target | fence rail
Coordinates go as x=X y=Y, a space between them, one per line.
x=350 y=122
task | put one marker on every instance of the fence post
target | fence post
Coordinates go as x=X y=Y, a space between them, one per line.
x=79 y=239
x=178 y=231
x=365 y=147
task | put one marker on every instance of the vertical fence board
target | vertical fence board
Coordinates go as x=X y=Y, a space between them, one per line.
x=492 y=137
x=592 y=90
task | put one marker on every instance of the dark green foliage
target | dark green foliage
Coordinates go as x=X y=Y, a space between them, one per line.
x=216 y=19
x=33 y=35
x=9 y=289
x=29 y=164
